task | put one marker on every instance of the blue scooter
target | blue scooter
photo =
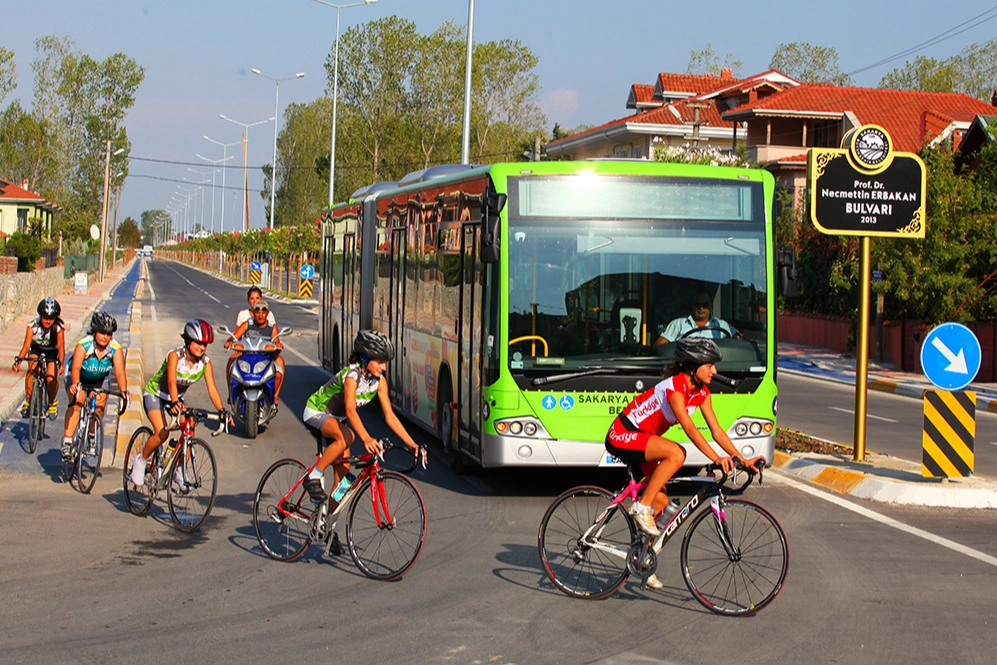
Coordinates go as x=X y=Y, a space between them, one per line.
x=252 y=380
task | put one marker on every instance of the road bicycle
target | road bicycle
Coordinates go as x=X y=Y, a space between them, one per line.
x=385 y=514
x=87 y=448
x=184 y=467
x=734 y=556
x=38 y=406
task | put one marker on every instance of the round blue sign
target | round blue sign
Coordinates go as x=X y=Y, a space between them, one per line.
x=255 y=265
x=950 y=356
x=548 y=402
x=307 y=271
x=567 y=402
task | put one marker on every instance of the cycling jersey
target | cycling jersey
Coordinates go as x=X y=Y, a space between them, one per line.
x=650 y=413
x=94 y=370
x=44 y=341
x=331 y=397
x=187 y=375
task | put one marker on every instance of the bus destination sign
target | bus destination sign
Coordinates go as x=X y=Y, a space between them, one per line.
x=865 y=188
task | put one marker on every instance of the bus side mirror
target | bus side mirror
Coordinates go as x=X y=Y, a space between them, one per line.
x=491 y=206
x=786 y=264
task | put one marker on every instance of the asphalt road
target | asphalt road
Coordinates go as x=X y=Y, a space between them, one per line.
x=894 y=423
x=85 y=581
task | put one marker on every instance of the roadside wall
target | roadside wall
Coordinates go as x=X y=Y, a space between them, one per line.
x=20 y=292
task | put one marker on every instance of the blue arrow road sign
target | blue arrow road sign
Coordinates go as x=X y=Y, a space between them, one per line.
x=307 y=271
x=255 y=265
x=950 y=356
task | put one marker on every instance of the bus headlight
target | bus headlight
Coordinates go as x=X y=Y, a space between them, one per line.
x=530 y=429
x=516 y=427
x=751 y=427
x=521 y=426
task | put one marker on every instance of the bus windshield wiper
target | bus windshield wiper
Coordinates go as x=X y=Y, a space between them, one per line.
x=555 y=378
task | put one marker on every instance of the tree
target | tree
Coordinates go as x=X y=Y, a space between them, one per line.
x=809 y=63
x=302 y=163
x=8 y=73
x=128 y=234
x=153 y=224
x=27 y=150
x=924 y=74
x=506 y=92
x=972 y=72
x=707 y=62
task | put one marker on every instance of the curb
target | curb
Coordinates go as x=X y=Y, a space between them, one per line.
x=134 y=416
x=931 y=493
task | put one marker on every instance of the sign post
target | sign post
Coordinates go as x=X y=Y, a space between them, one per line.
x=305 y=286
x=866 y=189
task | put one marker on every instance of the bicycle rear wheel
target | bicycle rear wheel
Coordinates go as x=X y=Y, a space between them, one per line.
x=36 y=416
x=746 y=578
x=385 y=533
x=191 y=485
x=88 y=455
x=283 y=535
x=138 y=499
x=595 y=567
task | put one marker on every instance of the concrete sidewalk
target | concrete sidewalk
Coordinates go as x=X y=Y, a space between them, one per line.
x=76 y=312
x=880 y=477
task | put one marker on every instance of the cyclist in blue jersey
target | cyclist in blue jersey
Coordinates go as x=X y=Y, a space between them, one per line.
x=334 y=406
x=45 y=341
x=95 y=356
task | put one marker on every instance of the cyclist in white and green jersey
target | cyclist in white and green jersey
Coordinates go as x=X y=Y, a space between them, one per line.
x=334 y=406
x=182 y=368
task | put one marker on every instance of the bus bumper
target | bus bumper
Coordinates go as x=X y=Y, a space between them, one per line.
x=503 y=451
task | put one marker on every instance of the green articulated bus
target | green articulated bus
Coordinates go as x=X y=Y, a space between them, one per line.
x=525 y=300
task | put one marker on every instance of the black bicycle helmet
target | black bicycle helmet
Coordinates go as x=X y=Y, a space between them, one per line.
x=49 y=307
x=102 y=322
x=692 y=352
x=373 y=345
x=198 y=330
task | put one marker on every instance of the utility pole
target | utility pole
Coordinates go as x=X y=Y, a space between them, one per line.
x=696 y=106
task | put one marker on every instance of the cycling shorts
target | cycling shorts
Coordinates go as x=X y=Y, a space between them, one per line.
x=628 y=446
x=83 y=389
x=50 y=355
x=154 y=403
x=318 y=419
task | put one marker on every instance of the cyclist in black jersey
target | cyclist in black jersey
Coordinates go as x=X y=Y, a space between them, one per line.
x=45 y=341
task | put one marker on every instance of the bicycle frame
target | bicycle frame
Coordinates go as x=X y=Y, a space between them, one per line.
x=370 y=465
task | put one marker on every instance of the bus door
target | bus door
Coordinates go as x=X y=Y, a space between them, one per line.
x=327 y=352
x=469 y=343
x=396 y=315
x=350 y=286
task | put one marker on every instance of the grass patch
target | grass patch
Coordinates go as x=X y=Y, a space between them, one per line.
x=797 y=442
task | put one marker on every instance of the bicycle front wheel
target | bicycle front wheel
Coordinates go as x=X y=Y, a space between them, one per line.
x=386 y=529
x=88 y=455
x=191 y=485
x=36 y=417
x=138 y=499
x=735 y=563
x=282 y=511
x=583 y=558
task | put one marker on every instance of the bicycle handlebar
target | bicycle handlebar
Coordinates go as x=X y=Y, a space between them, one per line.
x=123 y=398
x=738 y=489
x=198 y=415
x=367 y=459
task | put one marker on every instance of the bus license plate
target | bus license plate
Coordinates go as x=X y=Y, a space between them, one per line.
x=611 y=460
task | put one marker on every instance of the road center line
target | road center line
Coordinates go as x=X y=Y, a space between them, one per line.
x=888 y=521
x=868 y=415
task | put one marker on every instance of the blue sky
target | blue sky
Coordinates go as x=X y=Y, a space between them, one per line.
x=198 y=56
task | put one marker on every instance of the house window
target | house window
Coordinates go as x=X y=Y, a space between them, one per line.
x=22 y=220
x=637 y=153
x=826 y=134
x=622 y=153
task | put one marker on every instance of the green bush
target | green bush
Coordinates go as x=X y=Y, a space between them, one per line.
x=27 y=249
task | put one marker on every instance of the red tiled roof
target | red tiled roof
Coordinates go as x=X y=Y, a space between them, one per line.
x=692 y=83
x=12 y=192
x=902 y=113
x=641 y=93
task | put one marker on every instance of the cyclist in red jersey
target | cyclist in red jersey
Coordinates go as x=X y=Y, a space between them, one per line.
x=636 y=435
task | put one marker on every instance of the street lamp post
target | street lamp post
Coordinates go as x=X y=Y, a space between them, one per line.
x=214 y=163
x=221 y=223
x=335 y=93
x=276 y=121
x=188 y=193
x=106 y=209
x=465 y=142
x=245 y=165
x=203 y=182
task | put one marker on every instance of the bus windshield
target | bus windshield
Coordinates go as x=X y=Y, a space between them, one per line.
x=589 y=292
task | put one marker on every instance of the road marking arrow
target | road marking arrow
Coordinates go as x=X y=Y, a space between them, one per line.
x=957 y=363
